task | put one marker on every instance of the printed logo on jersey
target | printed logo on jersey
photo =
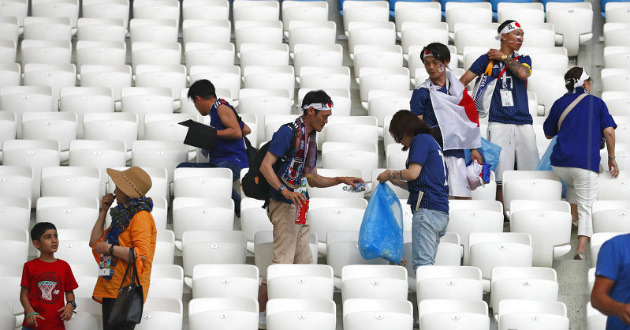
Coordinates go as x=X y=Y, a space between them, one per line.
x=49 y=285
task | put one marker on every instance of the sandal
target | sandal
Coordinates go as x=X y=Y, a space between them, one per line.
x=579 y=256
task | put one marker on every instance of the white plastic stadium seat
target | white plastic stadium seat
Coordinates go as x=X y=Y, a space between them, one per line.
x=373 y=314
x=300 y=281
x=226 y=313
x=488 y=250
x=453 y=314
x=561 y=14
x=374 y=281
x=219 y=247
x=225 y=281
x=307 y=314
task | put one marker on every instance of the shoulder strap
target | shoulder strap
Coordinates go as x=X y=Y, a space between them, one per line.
x=489 y=68
x=569 y=108
x=131 y=264
x=239 y=120
x=294 y=129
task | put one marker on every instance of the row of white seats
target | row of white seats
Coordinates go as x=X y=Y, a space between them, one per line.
x=545 y=184
x=159 y=313
x=67 y=126
x=171 y=80
x=481 y=13
x=292 y=282
x=382 y=282
x=194 y=32
x=222 y=52
x=201 y=247
x=168 y=10
x=375 y=314
x=338 y=159
x=327 y=216
x=102 y=154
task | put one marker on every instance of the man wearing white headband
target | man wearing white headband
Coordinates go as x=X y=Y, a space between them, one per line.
x=287 y=168
x=509 y=121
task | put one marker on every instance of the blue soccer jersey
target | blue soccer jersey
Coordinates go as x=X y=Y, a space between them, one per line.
x=580 y=134
x=613 y=262
x=432 y=182
x=517 y=114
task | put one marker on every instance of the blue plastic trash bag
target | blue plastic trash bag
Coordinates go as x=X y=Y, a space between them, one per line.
x=545 y=160
x=489 y=151
x=381 y=233
x=545 y=163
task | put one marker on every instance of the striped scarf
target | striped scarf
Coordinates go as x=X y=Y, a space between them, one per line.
x=122 y=215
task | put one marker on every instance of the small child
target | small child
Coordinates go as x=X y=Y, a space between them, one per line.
x=44 y=280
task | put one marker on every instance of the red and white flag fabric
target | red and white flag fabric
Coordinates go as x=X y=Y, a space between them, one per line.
x=456 y=114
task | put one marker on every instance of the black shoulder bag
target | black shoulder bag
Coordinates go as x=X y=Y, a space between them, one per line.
x=127 y=308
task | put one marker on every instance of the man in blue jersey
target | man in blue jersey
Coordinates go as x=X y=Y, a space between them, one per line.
x=509 y=122
x=611 y=291
x=286 y=167
x=229 y=149
x=443 y=103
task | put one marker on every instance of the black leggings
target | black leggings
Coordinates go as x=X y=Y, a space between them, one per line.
x=107 y=309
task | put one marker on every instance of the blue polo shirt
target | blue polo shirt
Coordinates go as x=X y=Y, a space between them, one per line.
x=421 y=105
x=232 y=150
x=581 y=131
x=613 y=262
x=517 y=114
x=432 y=181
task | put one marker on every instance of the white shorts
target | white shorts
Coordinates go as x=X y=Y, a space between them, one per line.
x=457 y=179
x=518 y=145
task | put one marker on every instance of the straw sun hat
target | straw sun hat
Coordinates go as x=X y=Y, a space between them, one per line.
x=133 y=182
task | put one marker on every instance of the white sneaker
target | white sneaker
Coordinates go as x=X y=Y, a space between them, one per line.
x=262 y=320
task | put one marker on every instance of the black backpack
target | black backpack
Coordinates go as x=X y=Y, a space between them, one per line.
x=253 y=183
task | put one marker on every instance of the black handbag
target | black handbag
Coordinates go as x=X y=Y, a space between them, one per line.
x=127 y=308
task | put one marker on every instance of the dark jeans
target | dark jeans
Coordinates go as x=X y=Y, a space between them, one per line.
x=236 y=174
x=108 y=303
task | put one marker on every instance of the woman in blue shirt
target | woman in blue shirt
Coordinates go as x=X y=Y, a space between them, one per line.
x=426 y=178
x=575 y=156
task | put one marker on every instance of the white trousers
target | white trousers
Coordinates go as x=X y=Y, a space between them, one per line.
x=518 y=144
x=582 y=190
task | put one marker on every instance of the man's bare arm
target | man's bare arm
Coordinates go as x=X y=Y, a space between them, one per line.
x=601 y=300
x=520 y=70
x=468 y=77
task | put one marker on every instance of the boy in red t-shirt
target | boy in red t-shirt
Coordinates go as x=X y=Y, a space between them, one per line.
x=44 y=281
